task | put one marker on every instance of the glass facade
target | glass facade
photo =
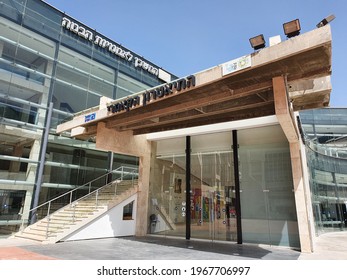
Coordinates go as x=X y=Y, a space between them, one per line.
x=325 y=134
x=43 y=62
x=267 y=199
x=268 y=213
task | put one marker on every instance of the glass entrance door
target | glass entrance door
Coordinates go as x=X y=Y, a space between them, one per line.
x=213 y=214
x=212 y=195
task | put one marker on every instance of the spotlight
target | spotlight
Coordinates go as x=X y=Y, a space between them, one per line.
x=257 y=42
x=292 y=28
x=325 y=21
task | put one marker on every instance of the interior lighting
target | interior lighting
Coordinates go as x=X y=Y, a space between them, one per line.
x=292 y=28
x=257 y=42
x=325 y=21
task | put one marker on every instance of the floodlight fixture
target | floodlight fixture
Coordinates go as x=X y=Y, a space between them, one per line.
x=325 y=21
x=257 y=42
x=292 y=28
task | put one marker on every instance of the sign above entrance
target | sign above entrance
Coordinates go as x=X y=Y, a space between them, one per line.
x=152 y=94
x=112 y=47
x=236 y=64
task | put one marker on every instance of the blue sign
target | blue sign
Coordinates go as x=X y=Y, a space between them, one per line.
x=89 y=117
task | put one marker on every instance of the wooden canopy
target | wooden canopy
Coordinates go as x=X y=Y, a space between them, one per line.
x=304 y=62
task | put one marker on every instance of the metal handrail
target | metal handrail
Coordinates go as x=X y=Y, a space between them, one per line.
x=123 y=170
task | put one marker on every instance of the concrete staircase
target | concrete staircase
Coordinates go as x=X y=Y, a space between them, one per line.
x=79 y=213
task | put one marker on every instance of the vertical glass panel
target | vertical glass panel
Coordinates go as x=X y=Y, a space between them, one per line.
x=11 y=203
x=213 y=213
x=34 y=43
x=67 y=167
x=12 y=9
x=68 y=98
x=100 y=78
x=71 y=76
x=127 y=85
x=17 y=111
x=41 y=17
x=167 y=188
x=124 y=160
x=14 y=152
x=267 y=199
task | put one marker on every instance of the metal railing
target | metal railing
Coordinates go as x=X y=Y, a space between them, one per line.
x=70 y=198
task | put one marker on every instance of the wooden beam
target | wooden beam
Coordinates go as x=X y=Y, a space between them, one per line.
x=226 y=117
x=193 y=115
x=164 y=109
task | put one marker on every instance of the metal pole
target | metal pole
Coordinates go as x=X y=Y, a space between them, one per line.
x=188 y=154
x=41 y=164
x=110 y=167
x=237 y=188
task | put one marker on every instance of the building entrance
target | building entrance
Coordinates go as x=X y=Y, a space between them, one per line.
x=209 y=212
x=239 y=184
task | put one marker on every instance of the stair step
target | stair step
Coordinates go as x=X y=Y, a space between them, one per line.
x=31 y=237
x=79 y=210
x=34 y=234
x=56 y=222
x=42 y=232
x=69 y=215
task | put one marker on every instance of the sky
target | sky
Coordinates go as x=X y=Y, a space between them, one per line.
x=187 y=36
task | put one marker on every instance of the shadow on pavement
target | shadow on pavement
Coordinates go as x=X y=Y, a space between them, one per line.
x=232 y=249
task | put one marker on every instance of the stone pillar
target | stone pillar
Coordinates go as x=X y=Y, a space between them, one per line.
x=31 y=173
x=285 y=117
x=15 y=165
x=128 y=144
x=300 y=199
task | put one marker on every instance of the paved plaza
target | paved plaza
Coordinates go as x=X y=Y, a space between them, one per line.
x=330 y=246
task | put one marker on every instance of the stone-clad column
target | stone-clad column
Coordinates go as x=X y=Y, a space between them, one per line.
x=286 y=119
x=128 y=144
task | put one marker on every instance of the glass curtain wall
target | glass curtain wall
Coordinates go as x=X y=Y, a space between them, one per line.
x=325 y=134
x=41 y=62
x=328 y=182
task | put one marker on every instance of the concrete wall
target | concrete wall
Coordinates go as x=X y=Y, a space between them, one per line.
x=110 y=224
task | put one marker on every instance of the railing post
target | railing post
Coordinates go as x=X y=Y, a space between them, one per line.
x=90 y=187
x=48 y=218
x=70 y=197
x=22 y=225
x=74 y=213
x=132 y=178
x=96 y=198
